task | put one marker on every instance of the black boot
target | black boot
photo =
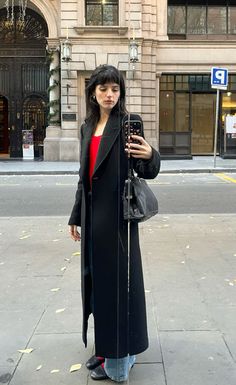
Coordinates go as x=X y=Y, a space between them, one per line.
x=99 y=374
x=94 y=362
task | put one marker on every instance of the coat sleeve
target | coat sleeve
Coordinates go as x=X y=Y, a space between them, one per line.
x=147 y=169
x=75 y=217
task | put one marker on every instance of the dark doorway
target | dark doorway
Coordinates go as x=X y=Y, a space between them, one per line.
x=4 y=133
x=24 y=76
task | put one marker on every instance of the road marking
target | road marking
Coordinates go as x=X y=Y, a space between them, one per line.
x=65 y=184
x=9 y=185
x=226 y=178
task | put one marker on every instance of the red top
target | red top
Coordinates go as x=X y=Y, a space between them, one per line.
x=93 y=151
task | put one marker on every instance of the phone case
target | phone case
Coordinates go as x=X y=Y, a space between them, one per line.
x=132 y=127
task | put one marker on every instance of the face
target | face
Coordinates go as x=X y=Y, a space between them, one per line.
x=107 y=95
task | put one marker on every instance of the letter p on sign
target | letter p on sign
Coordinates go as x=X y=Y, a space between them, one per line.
x=219 y=78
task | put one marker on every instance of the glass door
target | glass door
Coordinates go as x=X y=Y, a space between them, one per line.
x=34 y=119
x=202 y=123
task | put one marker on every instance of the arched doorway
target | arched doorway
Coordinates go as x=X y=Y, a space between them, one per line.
x=4 y=133
x=23 y=72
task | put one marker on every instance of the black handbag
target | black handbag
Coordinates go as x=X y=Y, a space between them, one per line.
x=143 y=203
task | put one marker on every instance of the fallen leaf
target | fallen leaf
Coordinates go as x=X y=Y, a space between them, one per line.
x=26 y=351
x=75 y=367
x=55 y=371
x=25 y=237
x=39 y=367
x=55 y=289
x=77 y=253
x=60 y=310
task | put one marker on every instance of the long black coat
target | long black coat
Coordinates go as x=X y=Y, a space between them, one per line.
x=109 y=257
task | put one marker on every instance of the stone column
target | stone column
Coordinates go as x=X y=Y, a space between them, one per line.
x=162 y=9
x=53 y=131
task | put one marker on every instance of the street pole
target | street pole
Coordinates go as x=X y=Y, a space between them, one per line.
x=216 y=124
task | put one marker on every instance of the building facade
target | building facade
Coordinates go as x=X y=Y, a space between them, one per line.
x=178 y=43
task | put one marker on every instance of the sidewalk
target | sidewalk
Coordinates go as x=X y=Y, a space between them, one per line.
x=197 y=164
x=190 y=280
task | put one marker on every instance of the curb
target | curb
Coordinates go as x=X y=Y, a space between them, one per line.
x=76 y=172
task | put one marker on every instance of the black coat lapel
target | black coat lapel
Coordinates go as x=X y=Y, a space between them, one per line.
x=111 y=131
x=87 y=134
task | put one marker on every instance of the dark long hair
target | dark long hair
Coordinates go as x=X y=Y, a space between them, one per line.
x=101 y=75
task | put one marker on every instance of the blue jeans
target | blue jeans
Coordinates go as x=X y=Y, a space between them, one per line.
x=118 y=368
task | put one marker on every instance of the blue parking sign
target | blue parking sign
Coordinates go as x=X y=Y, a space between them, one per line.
x=219 y=78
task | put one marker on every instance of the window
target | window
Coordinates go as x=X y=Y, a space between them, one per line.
x=177 y=19
x=196 y=20
x=232 y=20
x=217 y=20
x=101 y=12
x=194 y=17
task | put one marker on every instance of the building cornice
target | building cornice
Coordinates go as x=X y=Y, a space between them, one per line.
x=91 y=29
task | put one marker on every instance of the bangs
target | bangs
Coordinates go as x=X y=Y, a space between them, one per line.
x=108 y=76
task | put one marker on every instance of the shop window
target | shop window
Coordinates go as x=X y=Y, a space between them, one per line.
x=166 y=111
x=182 y=112
x=182 y=82
x=101 y=12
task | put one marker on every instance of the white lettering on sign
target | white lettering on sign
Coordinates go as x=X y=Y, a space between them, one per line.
x=221 y=76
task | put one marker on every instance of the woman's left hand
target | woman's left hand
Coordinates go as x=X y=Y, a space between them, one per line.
x=142 y=150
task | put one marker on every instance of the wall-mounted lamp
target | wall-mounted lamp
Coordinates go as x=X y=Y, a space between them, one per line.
x=133 y=51
x=66 y=51
x=133 y=54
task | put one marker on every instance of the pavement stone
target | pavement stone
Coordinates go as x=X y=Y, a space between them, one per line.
x=16 y=328
x=53 y=352
x=197 y=357
x=191 y=306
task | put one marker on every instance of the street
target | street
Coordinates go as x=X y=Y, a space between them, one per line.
x=45 y=195
x=189 y=263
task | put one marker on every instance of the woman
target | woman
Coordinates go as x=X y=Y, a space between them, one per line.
x=120 y=333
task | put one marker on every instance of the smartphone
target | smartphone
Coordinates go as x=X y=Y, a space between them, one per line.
x=132 y=127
